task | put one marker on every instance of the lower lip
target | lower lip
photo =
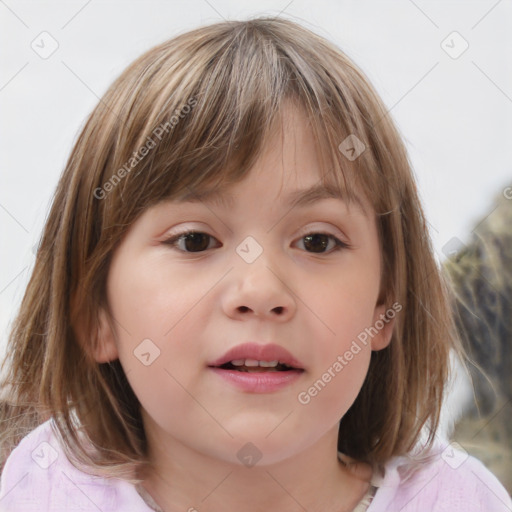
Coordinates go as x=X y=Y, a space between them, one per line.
x=259 y=382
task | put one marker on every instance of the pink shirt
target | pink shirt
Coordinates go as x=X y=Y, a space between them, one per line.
x=38 y=477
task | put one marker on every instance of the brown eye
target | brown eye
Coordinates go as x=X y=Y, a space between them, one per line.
x=316 y=243
x=319 y=242
x=193 y=241
x=196 y=242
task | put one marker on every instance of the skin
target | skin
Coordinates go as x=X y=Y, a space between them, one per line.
x=194 y=310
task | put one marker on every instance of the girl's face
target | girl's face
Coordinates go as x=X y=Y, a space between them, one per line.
x=260 y=269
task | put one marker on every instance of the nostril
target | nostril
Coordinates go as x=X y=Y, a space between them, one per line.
x=278 y=309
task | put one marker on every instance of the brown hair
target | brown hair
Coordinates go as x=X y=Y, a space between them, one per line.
x=235 y=77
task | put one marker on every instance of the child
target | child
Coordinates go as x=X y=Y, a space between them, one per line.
x=137 y=359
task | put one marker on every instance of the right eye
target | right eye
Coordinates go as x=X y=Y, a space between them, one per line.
x=190 y=241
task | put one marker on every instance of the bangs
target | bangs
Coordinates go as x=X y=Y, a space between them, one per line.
x=211 y=106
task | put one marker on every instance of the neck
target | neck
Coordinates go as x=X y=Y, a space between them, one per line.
x=181 y=478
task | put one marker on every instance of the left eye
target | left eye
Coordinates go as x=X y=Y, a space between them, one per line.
x=318 y=242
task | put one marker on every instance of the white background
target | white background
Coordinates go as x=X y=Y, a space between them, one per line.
x=455 y=114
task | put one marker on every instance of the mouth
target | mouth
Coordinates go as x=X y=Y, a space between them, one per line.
x=254 y=366
x=255 y=357
x=257 y=376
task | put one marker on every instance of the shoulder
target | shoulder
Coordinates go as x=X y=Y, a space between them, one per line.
x=449 y=480
x=38 y=477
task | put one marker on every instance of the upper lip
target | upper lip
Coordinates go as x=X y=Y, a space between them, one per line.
x=259 y=352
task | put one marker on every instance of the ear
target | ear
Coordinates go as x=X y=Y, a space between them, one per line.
x=104 y=348
x=383 y=323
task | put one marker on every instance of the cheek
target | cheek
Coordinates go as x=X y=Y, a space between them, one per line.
x=148 y=301
x=344 y=307
x=336 y=381
x=154 y=334
x=344 y=310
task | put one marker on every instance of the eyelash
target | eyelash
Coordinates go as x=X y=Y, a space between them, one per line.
x=173 y=240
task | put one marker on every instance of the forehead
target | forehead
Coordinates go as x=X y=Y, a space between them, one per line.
x=291 y=151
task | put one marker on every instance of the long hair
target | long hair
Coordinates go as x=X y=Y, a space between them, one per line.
x=193 y=113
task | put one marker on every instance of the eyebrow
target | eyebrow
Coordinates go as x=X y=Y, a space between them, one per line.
x=298 y=198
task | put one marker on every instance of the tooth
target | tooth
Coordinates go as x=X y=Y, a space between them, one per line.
x=269 y=364
x=253 y=363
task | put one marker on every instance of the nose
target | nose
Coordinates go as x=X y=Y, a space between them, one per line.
x=257 y=291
